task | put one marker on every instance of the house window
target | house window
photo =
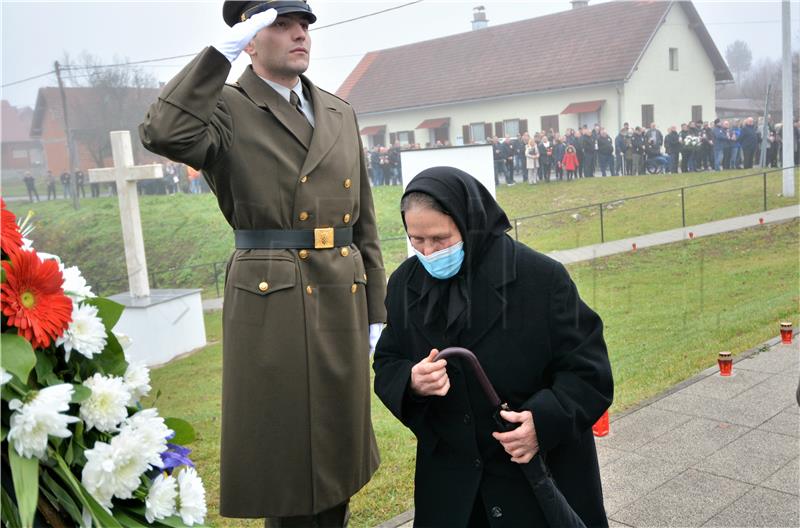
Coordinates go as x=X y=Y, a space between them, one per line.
x=647 y=115
x=673 y=59
x=405 y=138
x=511 y=127
x=478 y=132
x=697 y=113
x=19 y=154
x=550 y=121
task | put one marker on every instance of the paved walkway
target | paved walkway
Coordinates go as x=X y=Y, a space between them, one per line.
x=713 y=451
x=654 y=239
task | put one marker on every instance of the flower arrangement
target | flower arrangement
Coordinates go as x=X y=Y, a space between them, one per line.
x=79 y=445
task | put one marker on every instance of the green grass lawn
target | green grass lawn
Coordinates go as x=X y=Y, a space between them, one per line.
x=186 y=234
x=668 y=311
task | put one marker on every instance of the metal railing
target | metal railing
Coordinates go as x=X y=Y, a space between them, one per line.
x=161 y=277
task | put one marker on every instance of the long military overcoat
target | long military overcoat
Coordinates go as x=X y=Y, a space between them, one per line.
x=297 y=436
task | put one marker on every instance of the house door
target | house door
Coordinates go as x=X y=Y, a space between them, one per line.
x=588 y=118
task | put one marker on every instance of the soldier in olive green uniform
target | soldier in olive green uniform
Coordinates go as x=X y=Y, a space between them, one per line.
x=305 y=285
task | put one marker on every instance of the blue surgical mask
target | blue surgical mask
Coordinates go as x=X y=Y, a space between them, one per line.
x=444 y=263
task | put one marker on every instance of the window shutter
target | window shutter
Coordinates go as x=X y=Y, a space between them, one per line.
x=392 y=138
x=487 y=129
x=498 y=129
x=465 y=133
x=523 y=126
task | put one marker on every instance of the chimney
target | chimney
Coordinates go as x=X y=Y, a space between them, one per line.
x=579 y=3
x=479 y=20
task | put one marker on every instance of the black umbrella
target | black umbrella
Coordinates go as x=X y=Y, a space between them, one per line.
x=555 y=507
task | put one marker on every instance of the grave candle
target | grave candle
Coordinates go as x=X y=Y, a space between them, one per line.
x=725 y=362
x=786 y=333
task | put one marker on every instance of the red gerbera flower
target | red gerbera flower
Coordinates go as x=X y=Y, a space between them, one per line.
x=10 y=237
x=33 y=300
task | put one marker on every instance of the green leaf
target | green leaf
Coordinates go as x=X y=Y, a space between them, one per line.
x=63 y=498
x=25 y=474
x=17 y=356
x=45 y=367
x=100 y=516
x=80 y=394
x=108 y=310
x=112 y=360
x=128 y=520
x=3 y=433
x=8 y=509
x=184 y=432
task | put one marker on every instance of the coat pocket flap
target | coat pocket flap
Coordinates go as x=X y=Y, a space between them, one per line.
x=264 y=276
x=360 y=274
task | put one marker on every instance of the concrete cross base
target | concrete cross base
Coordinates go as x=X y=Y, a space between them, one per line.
x=162 y=326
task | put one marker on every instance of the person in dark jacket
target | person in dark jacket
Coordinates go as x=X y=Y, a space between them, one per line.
x=559 y=148
x=672 y=145
x=545 y=158
x=605 y=151
x=748 y=139
x=619 y=151
x=589 y=148
x=471 y=285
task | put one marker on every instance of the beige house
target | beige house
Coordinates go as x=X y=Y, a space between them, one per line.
x=616 y=62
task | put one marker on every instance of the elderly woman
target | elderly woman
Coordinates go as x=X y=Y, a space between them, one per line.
x=470 y=285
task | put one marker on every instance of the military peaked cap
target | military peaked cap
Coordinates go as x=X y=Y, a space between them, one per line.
x=235 y=11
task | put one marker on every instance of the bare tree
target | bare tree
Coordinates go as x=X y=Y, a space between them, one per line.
x=112 y=97
x=739 y=58
x=766 y=71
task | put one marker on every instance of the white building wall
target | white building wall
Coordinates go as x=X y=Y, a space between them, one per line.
x=672 y=93
x=530 y=107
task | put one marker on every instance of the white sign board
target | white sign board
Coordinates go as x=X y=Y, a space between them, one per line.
x=476 y=160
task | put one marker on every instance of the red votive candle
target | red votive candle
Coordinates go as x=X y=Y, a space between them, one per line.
x=601 y=427
x=786 y=333
x=725 y=362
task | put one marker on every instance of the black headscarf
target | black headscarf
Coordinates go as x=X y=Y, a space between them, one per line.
x=479 y=219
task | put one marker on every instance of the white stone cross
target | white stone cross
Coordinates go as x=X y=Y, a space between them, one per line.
x=125 y=174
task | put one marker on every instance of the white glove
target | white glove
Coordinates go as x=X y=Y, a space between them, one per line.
x=237 y=37
x=375 y=330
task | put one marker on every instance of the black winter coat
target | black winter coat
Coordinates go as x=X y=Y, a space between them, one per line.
x=543 y=350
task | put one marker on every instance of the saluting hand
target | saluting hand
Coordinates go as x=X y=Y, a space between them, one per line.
x=237 y=37
x=429 y=377
x=521 y=443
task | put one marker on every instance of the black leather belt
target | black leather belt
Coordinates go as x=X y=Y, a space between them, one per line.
x=319 y=238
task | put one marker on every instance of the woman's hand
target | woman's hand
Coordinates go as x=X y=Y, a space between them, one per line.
x=429 y=377
x=521 y=443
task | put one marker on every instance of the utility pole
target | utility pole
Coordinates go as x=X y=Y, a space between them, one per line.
x=788 y=103
x=70 y=143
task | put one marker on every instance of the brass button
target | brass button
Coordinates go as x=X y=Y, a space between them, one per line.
x=354 y=288
x=303 y=216
x=346 y=218
x=309 y=289
x=348 y=183
x=344 y=251
x=303 y=179
x=303 y=254
x=263 y=286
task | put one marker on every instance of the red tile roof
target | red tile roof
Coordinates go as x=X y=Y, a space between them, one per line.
x=586 y=46
x=16 y=123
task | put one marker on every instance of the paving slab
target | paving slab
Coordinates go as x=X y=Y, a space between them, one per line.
x=786 y=479
x=631 y=477
x=744 y=411
x=751 y=458
x=785 y=422
x=690 y=499
x=691 y=442
x=726 y=387
x=780 y=359
x=636 y=429
x=606 y=455
x=759 y=507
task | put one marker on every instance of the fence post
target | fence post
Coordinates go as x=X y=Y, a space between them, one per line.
x=765 y=191
x=216 y=278
x=602 y=227
x=155 y=281
x=683 y=206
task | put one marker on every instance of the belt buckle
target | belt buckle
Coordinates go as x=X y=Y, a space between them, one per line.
x=323 y=238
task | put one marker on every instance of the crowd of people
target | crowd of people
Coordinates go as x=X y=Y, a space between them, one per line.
x=178 y=178
x=585 y=152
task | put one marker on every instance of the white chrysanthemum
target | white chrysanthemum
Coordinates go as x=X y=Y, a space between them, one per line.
x=5 y=377
x=85 y=334
x=74 y=284
x=27 y=244
x=114 y=469
x=105 y=408
x=137 y=378
x=192 y=498
x=33 y=422
x=152 y=434
x=49 y=256
x=160 y=501
x=125 y=341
